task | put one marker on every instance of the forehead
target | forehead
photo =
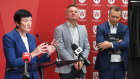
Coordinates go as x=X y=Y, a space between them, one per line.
x=22 y=18
x=72 y=8
x=115 y=13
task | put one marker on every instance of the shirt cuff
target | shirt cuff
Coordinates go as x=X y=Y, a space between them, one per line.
x=112 y=45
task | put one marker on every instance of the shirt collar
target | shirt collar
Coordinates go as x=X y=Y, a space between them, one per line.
x=112 y=25
x=70 y=25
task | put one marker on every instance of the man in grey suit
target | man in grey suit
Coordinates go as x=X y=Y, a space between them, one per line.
x=67 y=34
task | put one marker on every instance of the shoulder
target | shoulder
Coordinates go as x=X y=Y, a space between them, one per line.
x=30 y=35
x=123 y=25
x=61 y=27
x=83 y=27
x=103 y=24
x=10 y=34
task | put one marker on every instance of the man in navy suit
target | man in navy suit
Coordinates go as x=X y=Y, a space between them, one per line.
x=112 y=64
x=18 y=41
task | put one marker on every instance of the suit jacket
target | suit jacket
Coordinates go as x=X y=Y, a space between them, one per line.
x=14 y=47
x=63 y=35
x=103 y=59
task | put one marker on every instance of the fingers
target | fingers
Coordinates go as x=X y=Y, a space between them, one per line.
x=54 y=43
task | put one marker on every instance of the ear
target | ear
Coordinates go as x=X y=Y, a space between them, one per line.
x=17 y=24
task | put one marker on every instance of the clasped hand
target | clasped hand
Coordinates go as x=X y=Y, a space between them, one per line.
x=45 y=48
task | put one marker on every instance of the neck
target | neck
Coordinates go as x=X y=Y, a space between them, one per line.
x=73 y=23
x=22 y=33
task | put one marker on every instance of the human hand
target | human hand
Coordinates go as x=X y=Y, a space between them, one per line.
x=80 y=65
x=52 y=47
x=120 y=40
x=42 y=48
x=104 y=45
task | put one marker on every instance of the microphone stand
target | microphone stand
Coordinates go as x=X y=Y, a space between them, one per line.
x=41 y=72
x=79 y=67
x=26 y=74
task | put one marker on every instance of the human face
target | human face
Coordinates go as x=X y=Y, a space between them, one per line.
x=25 y=24
x=114 y=17
x=72 y=14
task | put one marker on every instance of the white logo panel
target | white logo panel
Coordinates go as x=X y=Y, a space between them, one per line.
x=111 y=1
x=96 y=1
x=96 y=14
x=82 y=1
x=94 y=29
x=94 y=59
x=82 y=13
x=94 y=45
x=125 y=15
x=95 y=75
x=125 y=1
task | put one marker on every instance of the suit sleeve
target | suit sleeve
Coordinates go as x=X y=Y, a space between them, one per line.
x=58 y=35
x=86 y=47
x=125 y=43
x=99 y=36
x=9 y=51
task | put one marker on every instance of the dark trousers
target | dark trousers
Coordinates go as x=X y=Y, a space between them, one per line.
x=115 y=71
x=72 y=75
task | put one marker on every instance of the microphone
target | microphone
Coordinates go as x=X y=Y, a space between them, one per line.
x=40 y=39
x=50 y=44
x=26 y=57
x=77 y=50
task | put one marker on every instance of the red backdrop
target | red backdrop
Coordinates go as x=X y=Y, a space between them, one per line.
x=47 y=14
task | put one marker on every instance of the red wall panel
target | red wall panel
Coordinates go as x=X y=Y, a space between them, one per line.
x=47 y=14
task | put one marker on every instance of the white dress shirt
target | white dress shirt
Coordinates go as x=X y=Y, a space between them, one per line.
x=74 y=34
x=114 y=57
x=25 y=41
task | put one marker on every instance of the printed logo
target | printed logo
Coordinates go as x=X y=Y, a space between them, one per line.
x=94 y=59
x=94 y=45
x=96 y=1
x=95 y=75
x=82 y=13
x=94 y=29
x=82 y=1
x=125 y=15
x=96 y=14
x=125 y=1
x=111 y=1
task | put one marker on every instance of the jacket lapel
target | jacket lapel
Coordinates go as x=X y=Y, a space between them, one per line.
x=67 y=31
x=119 y=29
x=30 y=42
x=80 y=34
x=19 y=40
x=107 y=27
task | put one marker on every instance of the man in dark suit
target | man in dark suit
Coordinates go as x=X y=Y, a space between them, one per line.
x=111 y=63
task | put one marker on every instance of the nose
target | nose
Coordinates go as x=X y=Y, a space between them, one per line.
x=73 y=13
x=29 y=23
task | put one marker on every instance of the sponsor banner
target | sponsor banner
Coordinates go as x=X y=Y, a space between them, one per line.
x=94 y=59
x=82 y=2
x=96 y=15
x=111 y=1
x=94 y=30
x=95 y=75
x=94 y=46
x=124 y=16
x=96 y=3
x=82 y=14
x=124 y=3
